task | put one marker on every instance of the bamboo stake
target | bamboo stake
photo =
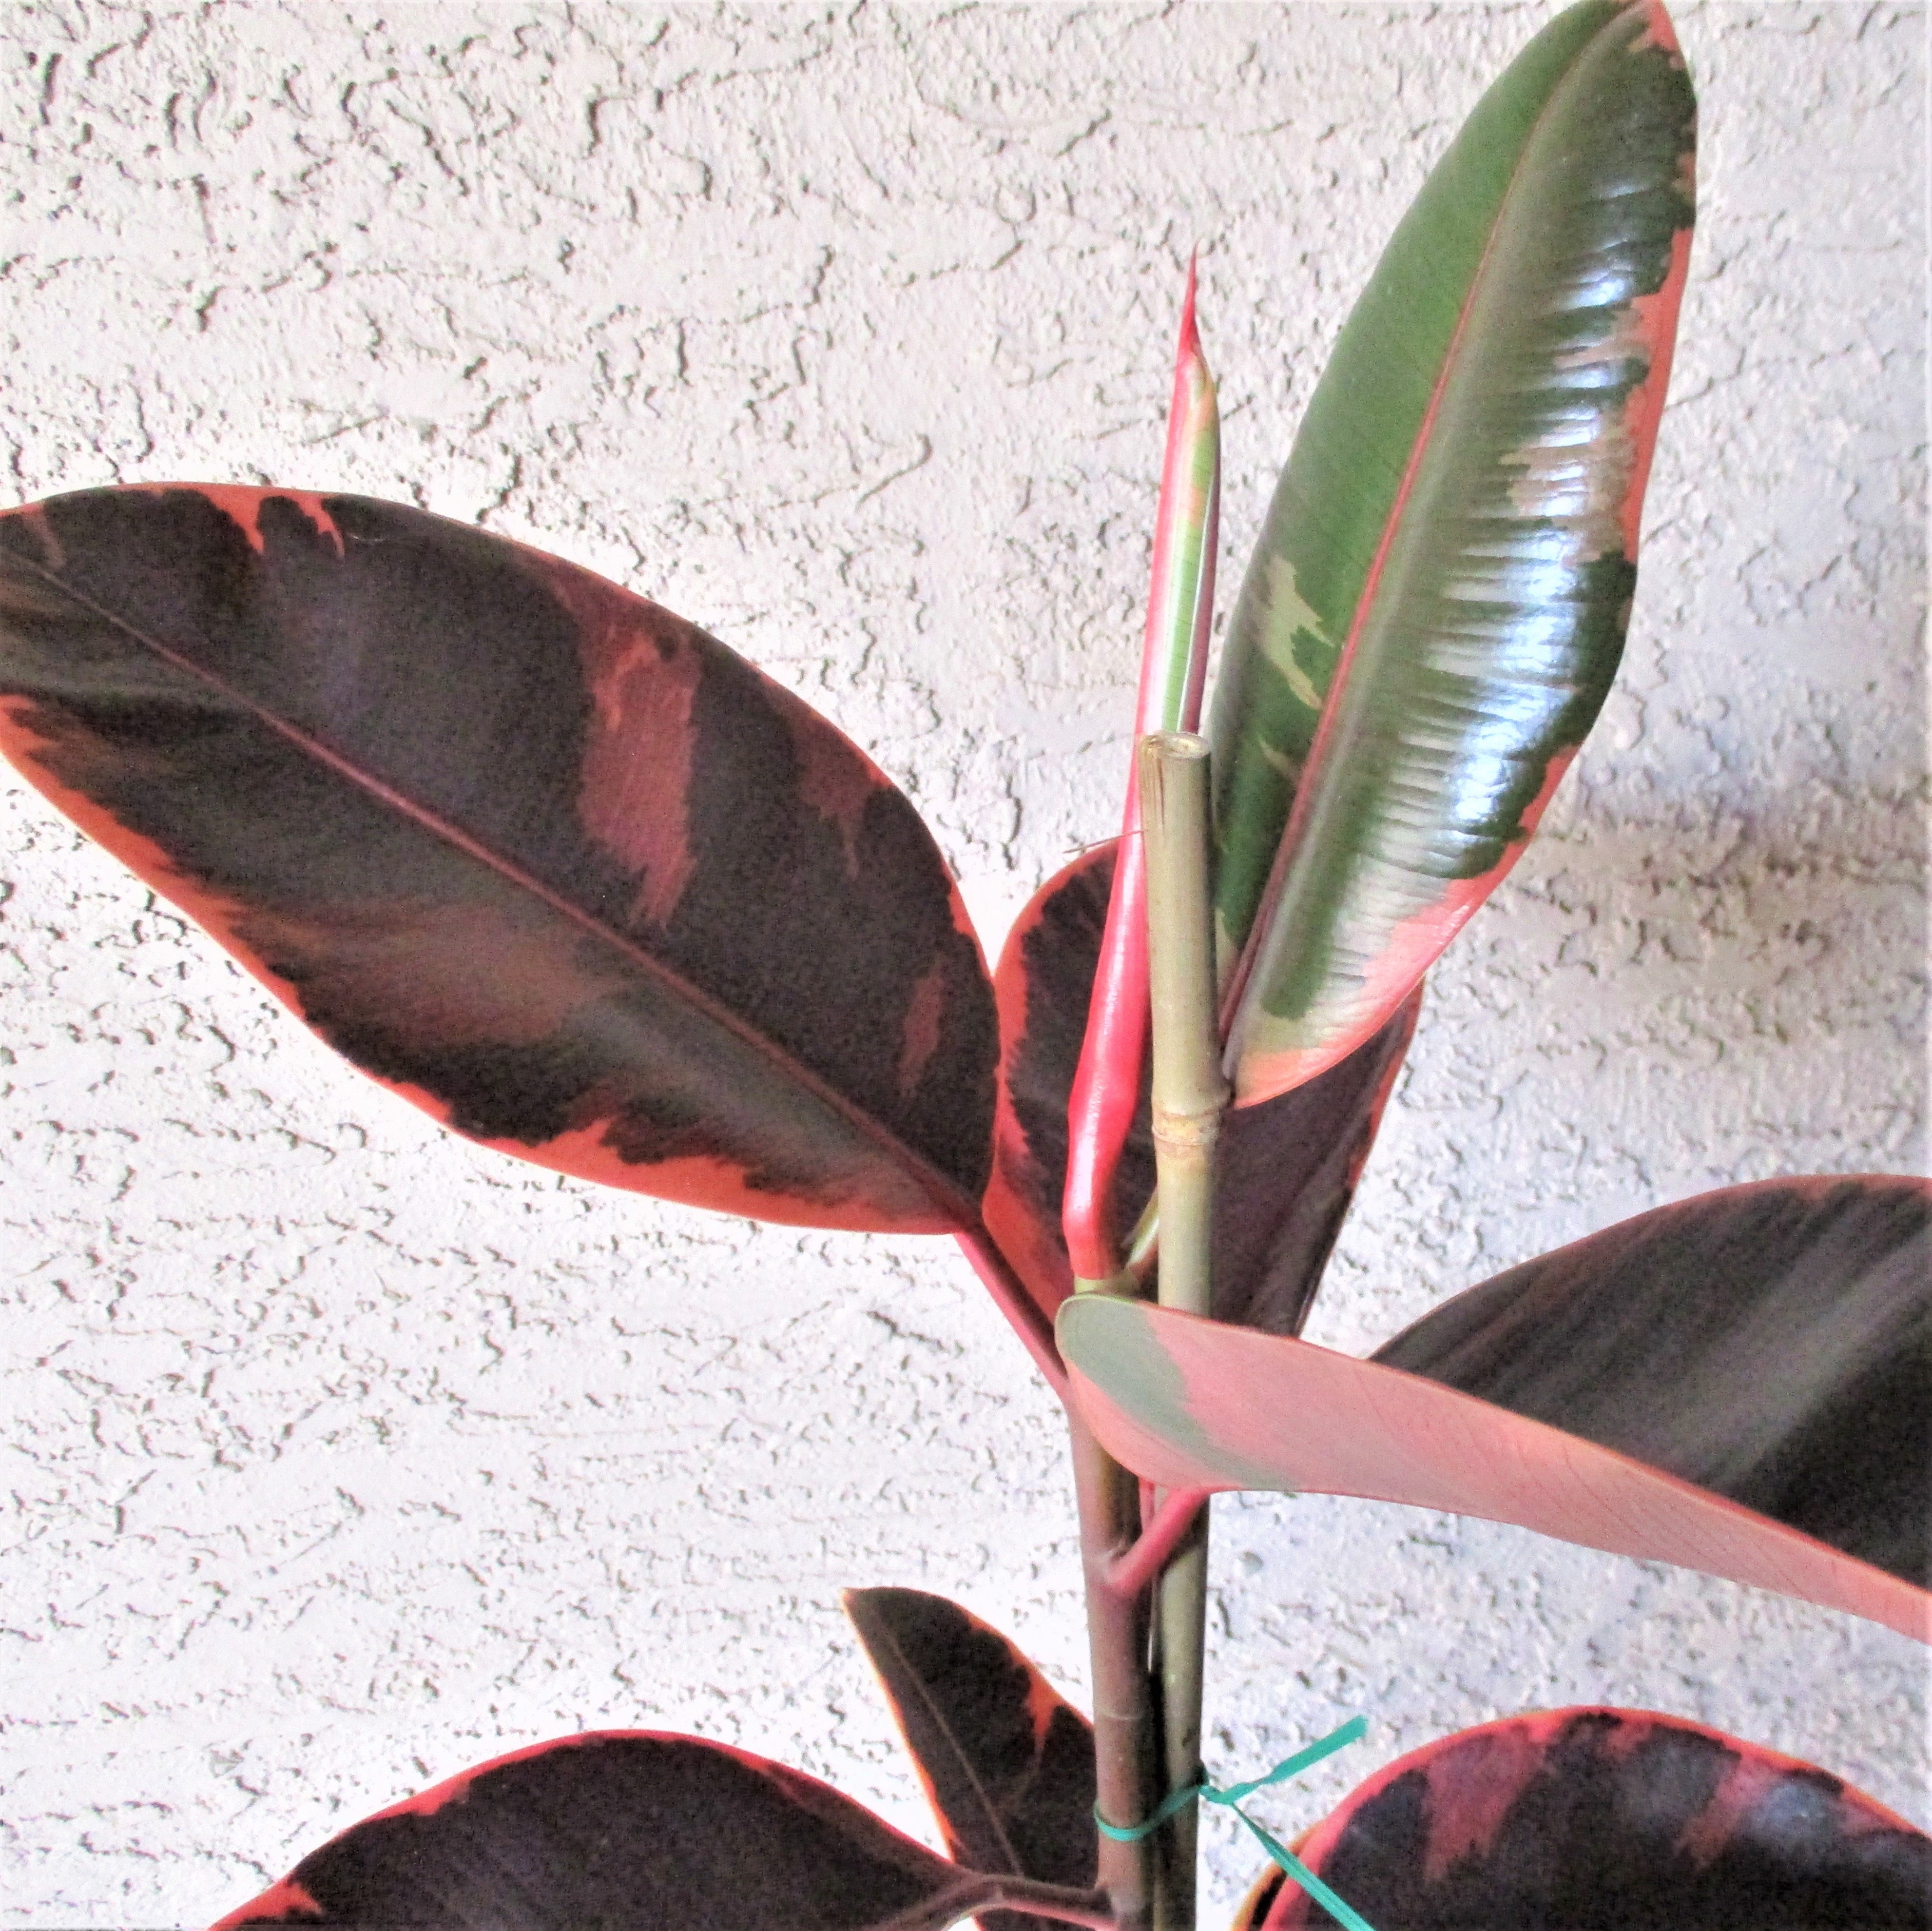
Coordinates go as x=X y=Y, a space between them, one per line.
x=1190 y=1095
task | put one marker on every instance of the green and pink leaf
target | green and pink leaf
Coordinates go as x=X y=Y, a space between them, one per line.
x=1107 y=1085
x=1436 y=609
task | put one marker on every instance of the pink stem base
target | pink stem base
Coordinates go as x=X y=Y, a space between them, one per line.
x=1135 y=1569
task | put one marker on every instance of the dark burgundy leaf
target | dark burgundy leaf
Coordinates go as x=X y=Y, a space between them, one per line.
x=1287 y=1170
x=1287 y=1167
x=1044 y=983
x=1007 y=1761
x=1771 y=1343
x=619 y=1830
x=1612 y=1820
x=539 y=856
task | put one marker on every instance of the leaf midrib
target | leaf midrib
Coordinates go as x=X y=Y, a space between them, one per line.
x=912 y=1677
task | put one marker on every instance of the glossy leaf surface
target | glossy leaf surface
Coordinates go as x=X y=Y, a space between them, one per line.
x=1285 y=1171
x=1437 y=606
x=1772 y=1343
x=620 y=1831
x=538 y=854
x=1007 y=1763
x=1612 y=1820
x=1833 y=1270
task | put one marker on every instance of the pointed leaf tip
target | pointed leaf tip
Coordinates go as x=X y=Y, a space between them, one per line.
x=1479 y=444
x=1007 y=1762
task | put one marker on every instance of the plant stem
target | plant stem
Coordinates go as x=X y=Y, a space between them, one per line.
x=1109 y=1497
x=1109 y=1500
x=1190 y=1096
x=1033 y=1326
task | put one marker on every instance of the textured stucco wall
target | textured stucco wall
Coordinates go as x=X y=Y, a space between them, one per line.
x=339 y=1454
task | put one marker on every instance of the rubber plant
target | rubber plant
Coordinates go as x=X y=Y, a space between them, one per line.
x=560 y=868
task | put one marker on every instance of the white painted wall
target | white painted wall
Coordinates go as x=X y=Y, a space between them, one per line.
x=341 y=1455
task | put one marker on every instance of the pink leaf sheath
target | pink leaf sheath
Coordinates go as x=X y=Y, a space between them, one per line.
x=1174 y=663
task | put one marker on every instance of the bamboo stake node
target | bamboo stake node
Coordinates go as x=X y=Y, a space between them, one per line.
x=1190 y=1095
x=1190 y=1092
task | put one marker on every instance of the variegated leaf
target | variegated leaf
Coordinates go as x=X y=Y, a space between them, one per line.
x=1609 y=1820
x=536 y=854
x=616 y=1830
x=1437 y=606
x=1780 y=1383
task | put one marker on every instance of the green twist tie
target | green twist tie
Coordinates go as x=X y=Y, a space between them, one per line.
x=1231 y=1799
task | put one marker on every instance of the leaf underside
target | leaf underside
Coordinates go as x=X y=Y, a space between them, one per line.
x=1007 y=1763
x=1436 y=607
x=1611 y=1820
x=1284 y=1172
x=619 y=1830
x=535 y=853
x=1786 y=1316
x=1771 y=1343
